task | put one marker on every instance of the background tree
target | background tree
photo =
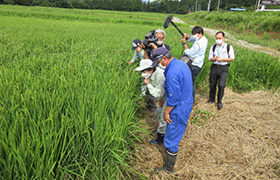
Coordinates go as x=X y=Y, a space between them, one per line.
x=40 y=3
x=77 y=4
x=165 y=6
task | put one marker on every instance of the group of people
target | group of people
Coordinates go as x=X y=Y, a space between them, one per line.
x=171 y=83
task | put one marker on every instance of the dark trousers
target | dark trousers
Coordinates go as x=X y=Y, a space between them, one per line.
x=218 y=73
x=152 y=102
x=195 y=70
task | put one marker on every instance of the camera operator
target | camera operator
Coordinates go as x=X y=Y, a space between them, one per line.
x=153 y=40
x=160 y=34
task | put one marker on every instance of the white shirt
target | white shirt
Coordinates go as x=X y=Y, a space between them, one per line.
x=197 y=50
x=222 y=52
x=155 y=86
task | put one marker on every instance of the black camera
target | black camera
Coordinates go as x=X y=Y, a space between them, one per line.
x=150 y=38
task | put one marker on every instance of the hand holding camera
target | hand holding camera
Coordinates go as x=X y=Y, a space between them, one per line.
x=153 y=45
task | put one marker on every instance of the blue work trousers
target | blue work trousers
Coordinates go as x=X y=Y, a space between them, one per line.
x=175 y=131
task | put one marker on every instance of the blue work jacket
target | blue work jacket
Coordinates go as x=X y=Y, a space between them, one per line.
x=178 y=86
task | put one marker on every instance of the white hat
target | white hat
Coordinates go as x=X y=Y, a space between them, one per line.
x=145 y=64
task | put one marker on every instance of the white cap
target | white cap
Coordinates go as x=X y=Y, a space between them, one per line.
x=145 y=64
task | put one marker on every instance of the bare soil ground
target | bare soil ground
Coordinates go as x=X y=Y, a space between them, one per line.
x=241 y=141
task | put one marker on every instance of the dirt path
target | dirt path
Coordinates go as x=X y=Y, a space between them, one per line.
x=232 y=39
x=241 y=141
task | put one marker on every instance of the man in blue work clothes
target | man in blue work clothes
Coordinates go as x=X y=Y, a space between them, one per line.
x=178 y=92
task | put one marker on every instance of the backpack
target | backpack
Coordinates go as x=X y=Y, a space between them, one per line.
x=228 y=47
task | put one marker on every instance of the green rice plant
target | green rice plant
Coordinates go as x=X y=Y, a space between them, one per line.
x=67 y=105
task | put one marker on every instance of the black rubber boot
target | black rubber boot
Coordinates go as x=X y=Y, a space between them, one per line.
x=169 y=163
x=159 y=140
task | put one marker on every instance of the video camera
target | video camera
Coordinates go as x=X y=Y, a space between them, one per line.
x=150 y=38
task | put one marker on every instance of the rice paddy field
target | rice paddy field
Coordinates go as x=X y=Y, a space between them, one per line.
x=69 y=100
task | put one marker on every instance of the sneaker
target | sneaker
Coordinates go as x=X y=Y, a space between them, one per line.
x=210 y=102
x=153 y=141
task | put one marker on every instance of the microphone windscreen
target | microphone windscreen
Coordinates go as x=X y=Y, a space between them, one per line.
x=167 y=21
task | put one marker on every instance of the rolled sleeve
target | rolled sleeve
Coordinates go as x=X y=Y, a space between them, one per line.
x=191 y=38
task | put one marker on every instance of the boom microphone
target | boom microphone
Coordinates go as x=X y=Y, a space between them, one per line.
x=168 y=20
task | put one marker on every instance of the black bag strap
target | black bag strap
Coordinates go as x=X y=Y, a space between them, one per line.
x=228 y=47
x=214 y=47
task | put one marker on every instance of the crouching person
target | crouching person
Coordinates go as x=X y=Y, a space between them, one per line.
x=178 y=93
x=154 y=79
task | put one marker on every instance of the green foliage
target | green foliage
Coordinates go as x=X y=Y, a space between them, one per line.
x=200 y=117
x=251 y=8
x=11 y=2
x=40 y=3
x=272 y=7
x=77 y=4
